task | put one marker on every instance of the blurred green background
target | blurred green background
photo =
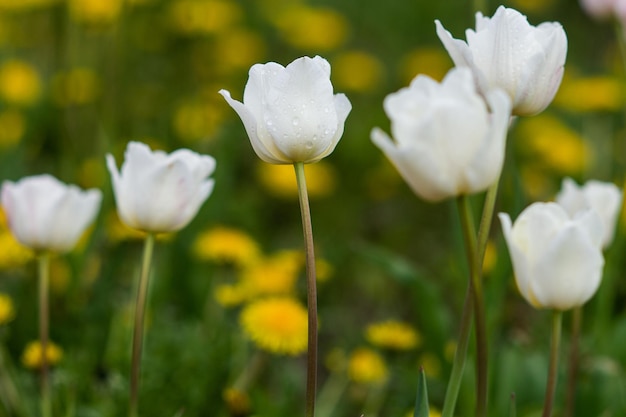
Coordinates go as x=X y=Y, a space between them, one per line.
x=81 y=78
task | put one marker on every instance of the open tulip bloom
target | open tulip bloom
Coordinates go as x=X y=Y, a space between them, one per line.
x=447 y=142
x=557 y=258
x=158 y=192
x=290 y=113
x=47 y=215
x=506 y=52
x=602 y=197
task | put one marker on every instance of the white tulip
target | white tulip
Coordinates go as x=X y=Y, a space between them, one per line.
x=291 y=114
x=447 y=143
x=158 y=192
x=47 y=215
x=557 y=259
x=506 y=52
x=603 y=197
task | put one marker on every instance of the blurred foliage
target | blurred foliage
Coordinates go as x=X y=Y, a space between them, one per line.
x=80 y=78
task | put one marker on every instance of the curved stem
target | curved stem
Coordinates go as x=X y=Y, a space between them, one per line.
x=311 y=379
x=140 y=309
x=557 y=317
x=44 y=278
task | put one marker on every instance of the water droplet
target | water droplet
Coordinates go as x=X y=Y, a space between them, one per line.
x=295 y=121
x=326 y=110
x=308 y=144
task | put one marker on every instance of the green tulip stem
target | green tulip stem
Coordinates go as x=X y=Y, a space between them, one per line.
x=557 y=318
x=311 y=379
x=44 y=325
x=454 y=383
x=138 y=331
x=572 y=367
x=475 y=249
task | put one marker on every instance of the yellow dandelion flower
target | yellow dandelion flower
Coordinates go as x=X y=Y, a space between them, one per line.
x=275 y=275
x=203 y=16
x=78 y=86
x=432 y=412
x=228 y=295
x=19 y=83
x=548 y=140
x=12 y=128
x=95 y=12
x=392 y=334
x=312 y=29
x=431 y=61
x=237 y=401
x=7 y=311
x=604 y=93
x=280 y=180
x=366 y=366
x=357 y=71
x=227 y=244
x=32 y=355
x=238 y=49
x=277 y=325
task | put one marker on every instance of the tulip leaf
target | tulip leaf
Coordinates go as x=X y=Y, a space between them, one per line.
x=421 y=400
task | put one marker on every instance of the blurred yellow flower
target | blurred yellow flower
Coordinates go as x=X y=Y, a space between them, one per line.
x=23 y=5
x=195 y=17
x=357 y=71
x=312 y=29
x=95 y=12
x=275 y=275
x=92 y=173
x=12 y=253
x=7 y=311
x=584 y=94
x=392 y=334
x=238 y=49
x=227 y=244
x=280 y=180
x=32 y=355
x=491 y=256
x=431 y=61
x=19 y=83
x=431 y=365
x=537 y=183
x=237 y=401
x=432 y=412
x=196 y=120
x=548 y=140
x=366 y=366
x=12 y=128
x=230 y=295
x=277 y=325
x=77 y=86
x=324 y=270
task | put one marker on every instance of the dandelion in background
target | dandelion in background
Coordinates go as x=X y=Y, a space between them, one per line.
x=392 y=334
x=366 y=366
x=229 y=245
x=277 y=325
x=32 y=357
x=7 y=310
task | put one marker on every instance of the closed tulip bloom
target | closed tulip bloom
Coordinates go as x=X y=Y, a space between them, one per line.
x=557 y=259
x=47 y=215
x=506 y=52
x=159 y=192
x=604 y=198
x=290 y=113
x=446 y=142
